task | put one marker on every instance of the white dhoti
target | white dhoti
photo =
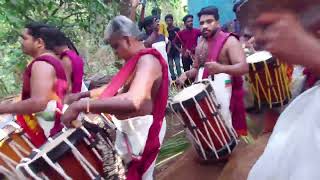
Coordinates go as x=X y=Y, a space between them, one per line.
x=132 y=136
x=293 y=150
x=223 y=89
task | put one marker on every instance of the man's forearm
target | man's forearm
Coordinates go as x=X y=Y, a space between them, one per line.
x=177 y=47
x=143 y=10
x=118 y=105
x=86 y=94
x=235 y=69
x=192 y=73
x=133 y=13
x=28 y=106
x=151 y=39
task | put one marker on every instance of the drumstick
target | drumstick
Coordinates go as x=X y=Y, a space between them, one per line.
x=182 y=44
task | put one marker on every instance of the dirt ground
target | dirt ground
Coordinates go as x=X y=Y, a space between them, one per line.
x=186 y=166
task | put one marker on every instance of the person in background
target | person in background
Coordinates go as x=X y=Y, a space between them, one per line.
x=156 y=12
x=73 y=64
x=162 y=25
x=133 y=11
x=153 y=39
x=188 y=39
x=234 y=26
x=173 y=53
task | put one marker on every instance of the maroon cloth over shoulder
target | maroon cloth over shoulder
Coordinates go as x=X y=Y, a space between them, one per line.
x=138 y=167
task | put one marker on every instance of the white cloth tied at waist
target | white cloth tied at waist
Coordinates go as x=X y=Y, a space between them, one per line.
x=131 y=138
x=293 y=150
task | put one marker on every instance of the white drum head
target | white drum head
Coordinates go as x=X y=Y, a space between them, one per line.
x=7 y=125
x=189 y=92
x=259 y=56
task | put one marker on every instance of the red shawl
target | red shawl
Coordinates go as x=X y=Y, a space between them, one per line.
x=29 y=122
x=77 y=70
x=138 y=167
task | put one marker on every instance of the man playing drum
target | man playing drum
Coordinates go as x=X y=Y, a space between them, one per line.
x=44 y=85
x=223 y=58
x=137 y=96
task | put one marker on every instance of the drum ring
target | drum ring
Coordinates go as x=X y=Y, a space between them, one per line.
x=204 y=119
x=215 y=114
x=194 y=127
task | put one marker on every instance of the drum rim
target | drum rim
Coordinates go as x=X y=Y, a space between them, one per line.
x=176 y=106
x=222 y=152
x=258 y=52
x=18 y=131
x=260 y=65
x=39 y=164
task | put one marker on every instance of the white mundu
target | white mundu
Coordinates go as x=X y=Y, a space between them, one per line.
x=131 y=138
x=293 y=151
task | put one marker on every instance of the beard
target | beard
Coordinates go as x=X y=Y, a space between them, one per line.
x=207 y=34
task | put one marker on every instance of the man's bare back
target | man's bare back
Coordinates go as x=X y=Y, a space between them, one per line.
x=148 y=73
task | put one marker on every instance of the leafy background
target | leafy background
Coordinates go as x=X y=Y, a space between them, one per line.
x=82 y=20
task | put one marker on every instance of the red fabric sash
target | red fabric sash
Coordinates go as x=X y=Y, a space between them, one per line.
x=311 y=78
x=138 y=167
x=77 y=69
x=29 y=122
x=236 y=103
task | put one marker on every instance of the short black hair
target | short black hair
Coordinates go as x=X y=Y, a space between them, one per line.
x=185 y=18
x=168 y=16
x=51 y=35
x=148 y=21
x=155 y=11
x=210 y=10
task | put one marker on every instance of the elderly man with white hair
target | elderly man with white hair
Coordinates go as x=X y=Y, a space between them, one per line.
x=136 y=97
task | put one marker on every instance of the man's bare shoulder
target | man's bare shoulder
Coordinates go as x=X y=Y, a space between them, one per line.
x=42 y=65
x=149 y=60
x=232 y=41
x=43 y=68
x=66 y=60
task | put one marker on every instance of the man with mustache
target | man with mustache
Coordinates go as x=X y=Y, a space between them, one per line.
x=223 y=58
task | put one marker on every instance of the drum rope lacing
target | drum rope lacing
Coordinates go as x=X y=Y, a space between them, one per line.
x=281 y=93
x=18 y=150
x=218 y=120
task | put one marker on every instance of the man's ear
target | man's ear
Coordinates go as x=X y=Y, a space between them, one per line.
x=40 y=43
x=127 y=39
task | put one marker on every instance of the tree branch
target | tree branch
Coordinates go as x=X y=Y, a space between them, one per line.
x=72 y=14
x=57 y=9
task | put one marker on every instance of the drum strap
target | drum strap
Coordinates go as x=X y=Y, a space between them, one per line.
x=139 y=166
x=77 y=69
x=29 y=122
x=236 y=103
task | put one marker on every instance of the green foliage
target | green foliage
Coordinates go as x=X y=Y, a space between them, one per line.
x=82 y=20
